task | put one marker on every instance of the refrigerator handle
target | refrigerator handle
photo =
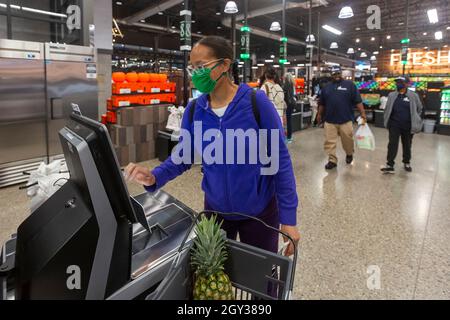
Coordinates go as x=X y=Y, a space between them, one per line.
x=56 y=106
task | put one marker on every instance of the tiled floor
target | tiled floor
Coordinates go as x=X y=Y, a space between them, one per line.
x=351 y=220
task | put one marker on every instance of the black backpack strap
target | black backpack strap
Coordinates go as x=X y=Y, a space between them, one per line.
x=255 y=109
x=192 y=111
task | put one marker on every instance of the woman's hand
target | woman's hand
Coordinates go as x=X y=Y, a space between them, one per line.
x=139 y=174
x=292 y=231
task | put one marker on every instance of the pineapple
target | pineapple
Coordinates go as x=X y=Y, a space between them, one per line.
x=208 y=257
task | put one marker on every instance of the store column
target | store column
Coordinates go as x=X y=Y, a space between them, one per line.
x=97 y=32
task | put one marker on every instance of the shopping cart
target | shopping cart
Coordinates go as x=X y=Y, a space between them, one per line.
x=255 y=274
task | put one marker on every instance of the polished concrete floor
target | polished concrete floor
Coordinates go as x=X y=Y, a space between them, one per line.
x=364 y=235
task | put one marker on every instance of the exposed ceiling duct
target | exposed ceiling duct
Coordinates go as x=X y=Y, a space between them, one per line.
x=152 y=10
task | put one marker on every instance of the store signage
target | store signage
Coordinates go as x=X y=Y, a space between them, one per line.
x=283 y=50
x=185 y=31
x=245 y=43
x=73 y=17
x=423 y=58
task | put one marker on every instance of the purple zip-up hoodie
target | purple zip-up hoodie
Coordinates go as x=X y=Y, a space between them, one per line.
x=238 y=187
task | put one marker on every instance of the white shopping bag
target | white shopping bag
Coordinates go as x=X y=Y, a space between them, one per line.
x=45 y=181
x=364 y=138
x=175 y=116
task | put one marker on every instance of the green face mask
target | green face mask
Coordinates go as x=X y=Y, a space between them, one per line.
x=202 y=79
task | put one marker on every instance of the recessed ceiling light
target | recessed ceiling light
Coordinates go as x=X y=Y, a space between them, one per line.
x=161 y=13
x=276 y=66
x=425 y=48
x=359 y=49
x=268 y=61
x=199 y=32
x=372 y=39
x=381 y=47
x=272 y=56
x=376 y=52
x=219 y=27
x=357 y=40
x=119 y=3
x=401 y=23
x=142 y=20
x=388 y=37
x=425 y=33
x=254 y=68
x=392 y=50
x=438 y=35
x=448 y=28
x=260 y=64
x=446 y=46
x=357 y=28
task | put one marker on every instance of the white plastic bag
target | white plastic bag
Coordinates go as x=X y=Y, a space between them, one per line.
x=364 y=138
x=48 y=180
x=175 y=116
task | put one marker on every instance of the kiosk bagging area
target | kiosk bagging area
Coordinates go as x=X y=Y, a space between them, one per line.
x=91 y=240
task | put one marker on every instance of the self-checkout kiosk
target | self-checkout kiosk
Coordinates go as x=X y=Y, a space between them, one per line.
x=91 y=240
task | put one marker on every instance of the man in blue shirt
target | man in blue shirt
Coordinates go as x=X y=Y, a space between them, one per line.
x=337 y=101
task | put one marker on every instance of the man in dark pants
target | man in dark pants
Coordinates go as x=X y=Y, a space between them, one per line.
x=403 y=119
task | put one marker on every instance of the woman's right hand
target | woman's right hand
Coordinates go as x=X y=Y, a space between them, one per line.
x=139 y=174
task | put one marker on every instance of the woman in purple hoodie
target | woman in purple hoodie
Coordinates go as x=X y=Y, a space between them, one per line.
x=247 y=166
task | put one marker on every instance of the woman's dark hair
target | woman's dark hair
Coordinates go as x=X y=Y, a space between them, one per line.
x=271 y=74
x=221 y=48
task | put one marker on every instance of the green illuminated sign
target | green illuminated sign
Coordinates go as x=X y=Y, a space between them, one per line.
x=406 y=40
x=245 y=43
x=284 y=39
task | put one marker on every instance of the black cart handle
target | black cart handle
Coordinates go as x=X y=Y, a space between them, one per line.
x=194 y=222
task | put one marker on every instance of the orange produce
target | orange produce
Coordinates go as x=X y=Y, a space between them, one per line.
x=144 y=77
x=118 y=77
x=132 y=77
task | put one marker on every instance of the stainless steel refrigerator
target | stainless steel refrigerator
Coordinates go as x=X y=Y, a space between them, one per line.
x=71 y=77
x=22 y=109
x=38 y=84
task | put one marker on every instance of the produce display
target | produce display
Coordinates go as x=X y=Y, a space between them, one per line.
x=208 y=257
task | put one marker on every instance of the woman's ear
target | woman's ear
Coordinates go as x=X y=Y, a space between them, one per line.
x=228 y=66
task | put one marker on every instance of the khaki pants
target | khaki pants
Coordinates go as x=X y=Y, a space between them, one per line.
x=332 y=132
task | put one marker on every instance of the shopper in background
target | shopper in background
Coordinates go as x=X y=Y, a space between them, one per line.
x=336 y=104
x=272 y=88
x=402 y=117
x=289 y=99
x=233 y=187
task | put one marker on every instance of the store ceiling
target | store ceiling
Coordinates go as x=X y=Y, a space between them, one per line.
x=393 y=23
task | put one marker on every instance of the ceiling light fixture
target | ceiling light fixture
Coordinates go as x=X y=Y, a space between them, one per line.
x=334 y=45
x=376 y=52
x=332 y=29
x=275 y=26
x=260 y=64
x=372 y=39
x=268 y=61
x=231 y=7
x=433 y=16
x=438 y=35
x=363 y=55
x=346 y=12
x=388 y=37
x=373 y=58
x=425 y=33
x=357 y=40
x=350 y=51
x=310 y=38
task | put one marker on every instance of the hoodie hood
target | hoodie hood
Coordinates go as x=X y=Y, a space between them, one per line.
x=243 y=91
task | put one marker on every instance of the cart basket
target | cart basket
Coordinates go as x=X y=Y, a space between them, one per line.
x=255 y=274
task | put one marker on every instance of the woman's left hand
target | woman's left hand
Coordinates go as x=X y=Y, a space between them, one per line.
x=292 y=231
